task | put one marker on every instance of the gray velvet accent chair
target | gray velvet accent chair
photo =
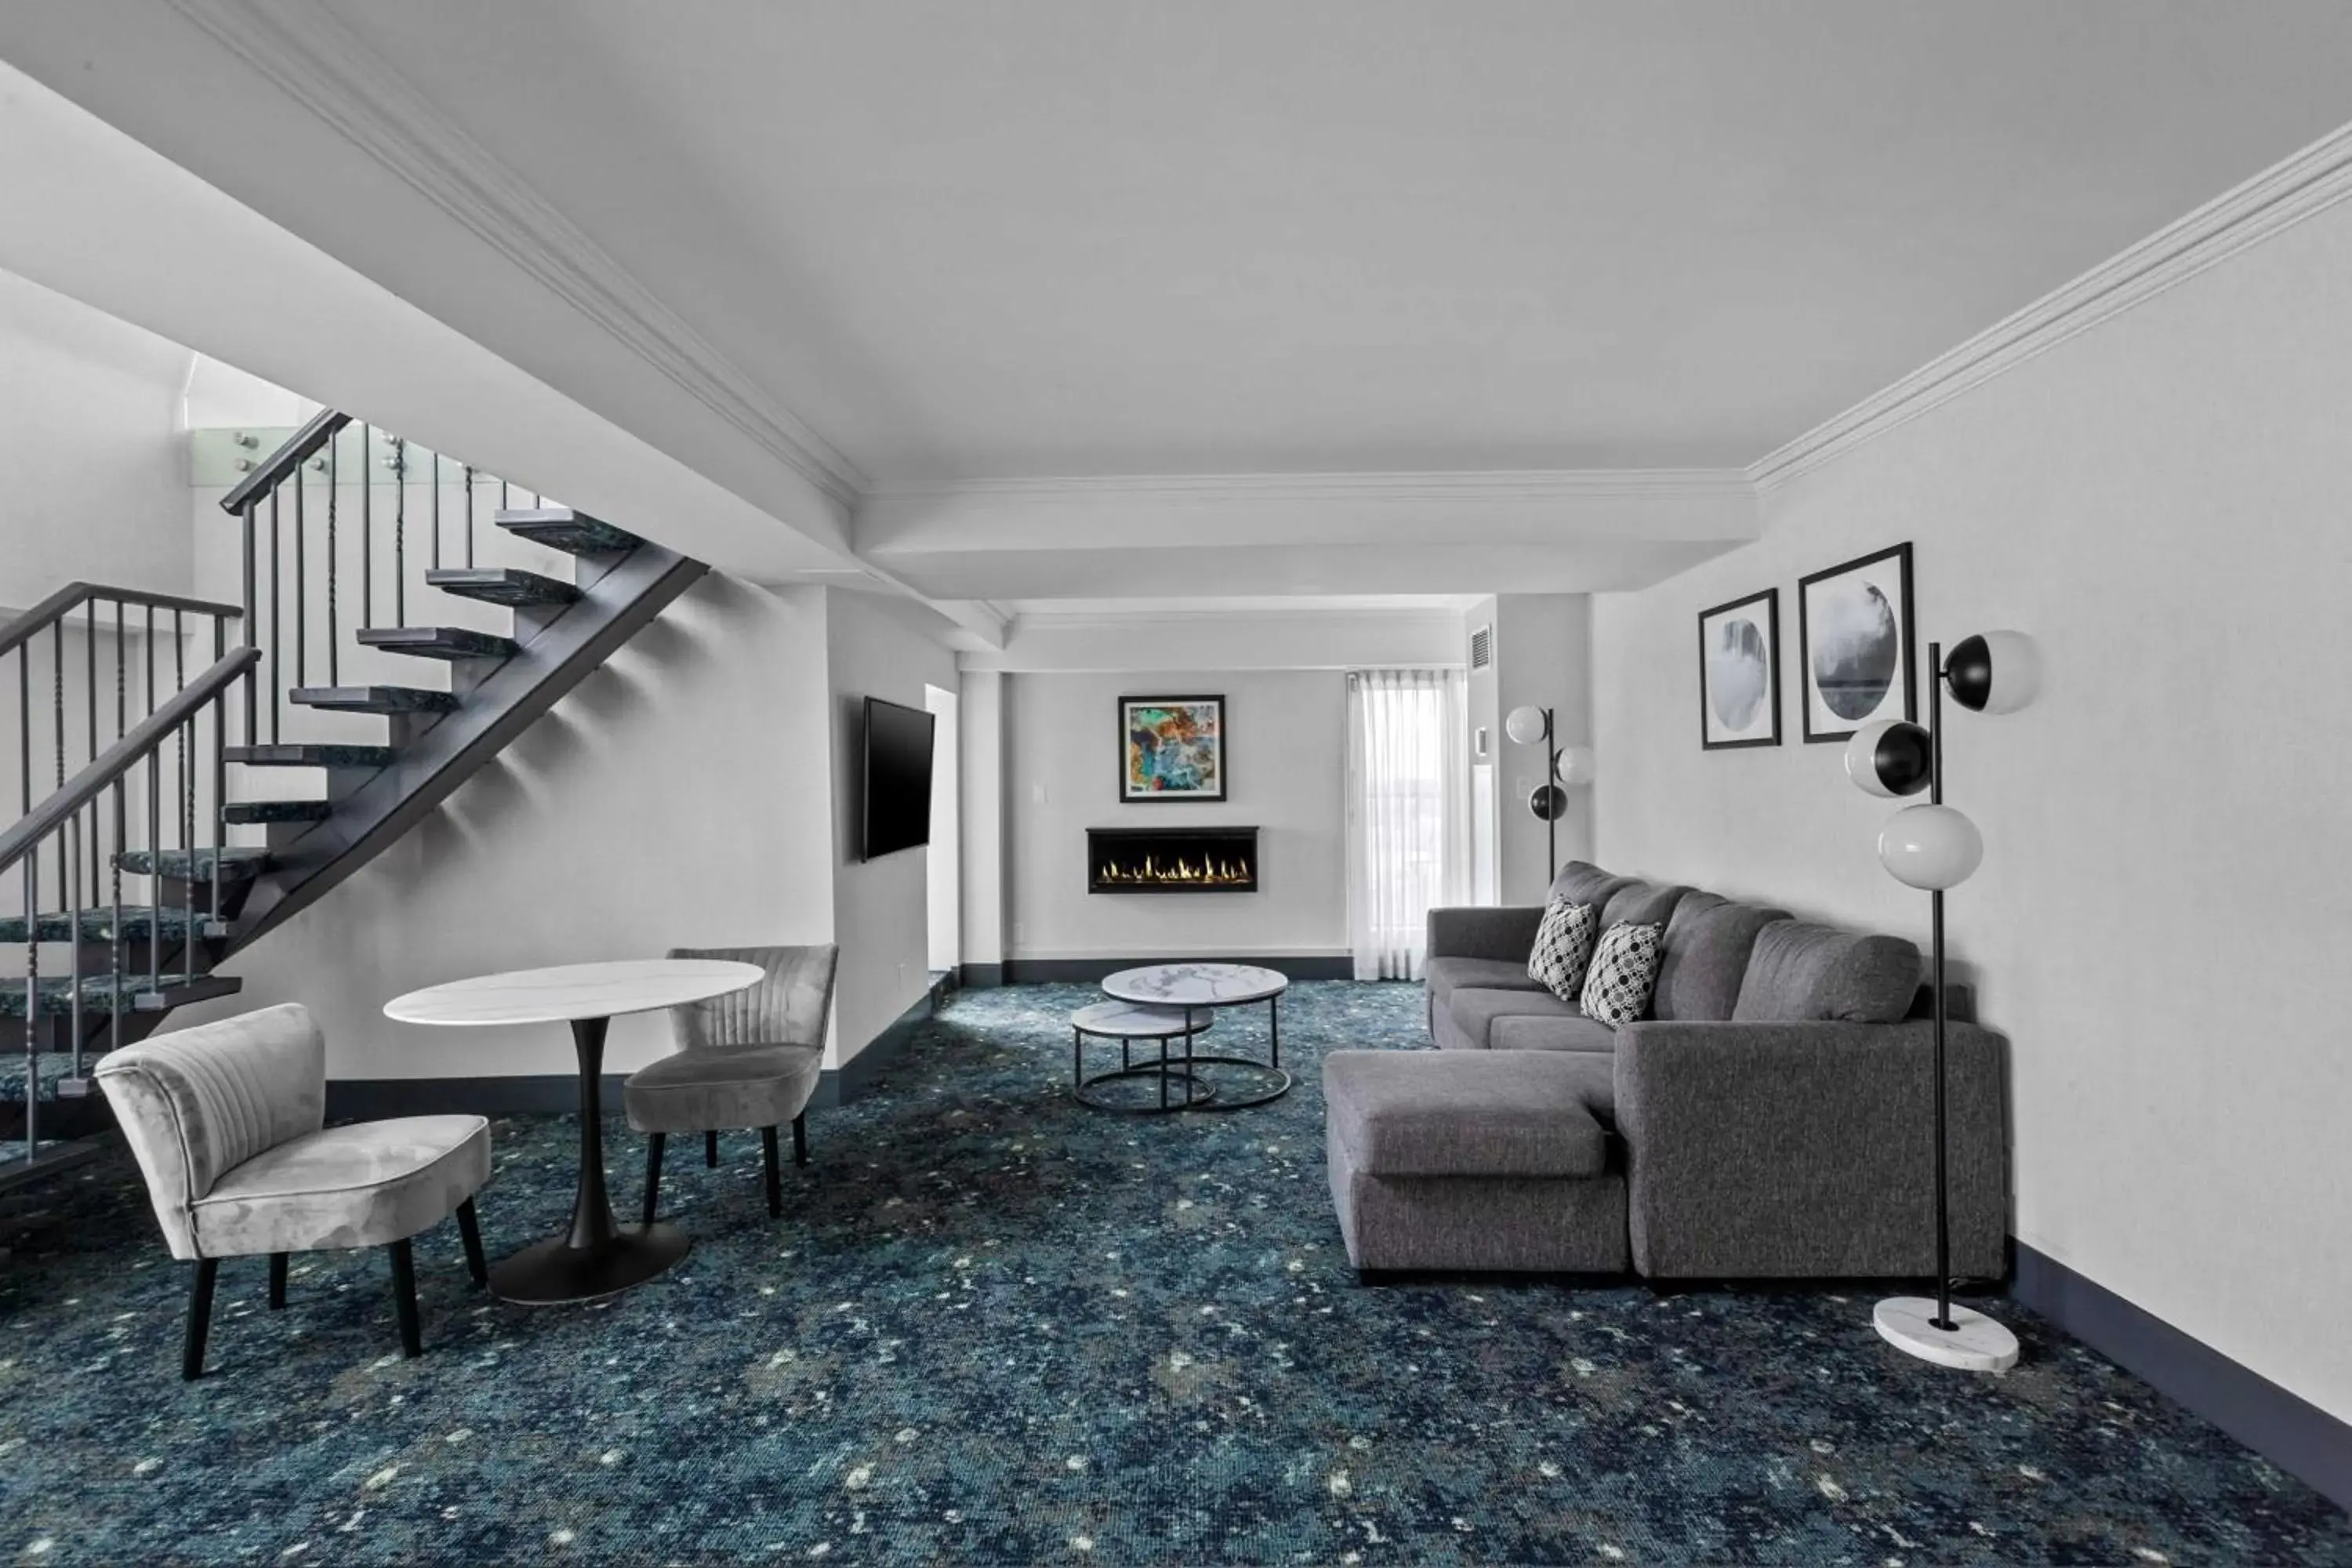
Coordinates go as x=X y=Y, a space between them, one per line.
x=227 y=1123
x=750 y=1059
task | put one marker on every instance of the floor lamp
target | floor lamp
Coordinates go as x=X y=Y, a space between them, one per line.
x=1569 y=765
x=1933 y=848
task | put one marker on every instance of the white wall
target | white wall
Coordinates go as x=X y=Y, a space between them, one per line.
x=943 y=856
x=90 y=467
x=1285 y=752
x=981 y=779
x=1541 y=660
x=878 y=905
x=676 y=797
x=2162 y=917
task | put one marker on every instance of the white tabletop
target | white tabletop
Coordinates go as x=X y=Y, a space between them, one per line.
x=1196 y=985
x=573 y=991
x=1125 y=1021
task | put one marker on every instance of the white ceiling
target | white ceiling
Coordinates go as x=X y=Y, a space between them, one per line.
x=1056 y=300
x=1115 y=236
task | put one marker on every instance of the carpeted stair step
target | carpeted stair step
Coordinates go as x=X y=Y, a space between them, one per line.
x=138 y=923
x=440 y=642
x=238 y=863
x=573 y=533
x=250 y=812
x=506 y=585
x=373 y=699
x=368 y=758
x=98 y=994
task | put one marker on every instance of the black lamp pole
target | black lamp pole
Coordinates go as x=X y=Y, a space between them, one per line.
x=1551 y=817
x=1943 y=1318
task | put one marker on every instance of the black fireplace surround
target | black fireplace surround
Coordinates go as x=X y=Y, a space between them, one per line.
x=1171 y=860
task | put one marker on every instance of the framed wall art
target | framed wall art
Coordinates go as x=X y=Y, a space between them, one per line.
x=1171 y=749
x=1739 y=673
x=1854 y=636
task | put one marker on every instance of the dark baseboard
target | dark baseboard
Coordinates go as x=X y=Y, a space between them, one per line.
x=541 y=1094
x=1066 y=971
x=2284 y=1428
x=836 y=1086
x=980 y=976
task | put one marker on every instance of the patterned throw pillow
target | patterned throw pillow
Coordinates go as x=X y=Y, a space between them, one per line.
x=1624 y=972
x=1563 y=947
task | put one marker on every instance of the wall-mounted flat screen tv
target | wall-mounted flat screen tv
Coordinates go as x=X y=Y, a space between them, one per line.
x=897 y=778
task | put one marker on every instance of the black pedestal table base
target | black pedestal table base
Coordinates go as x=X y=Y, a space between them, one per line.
x=1197 y=1092
x=596 y=1257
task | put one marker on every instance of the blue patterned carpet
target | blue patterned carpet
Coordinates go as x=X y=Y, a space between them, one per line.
x=994 y=1327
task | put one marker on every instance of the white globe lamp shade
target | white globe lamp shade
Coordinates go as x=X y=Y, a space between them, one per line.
x=1575 y=765
x=1994 y=672
x=1526 y=726
x=1889 y=758
x=1930 y=847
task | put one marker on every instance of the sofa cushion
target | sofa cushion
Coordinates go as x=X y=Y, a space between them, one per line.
x=1708 y=942
x=1418 y=1113
x=1799 y=973
x=1473 y=1010
x=1444 y=976
x=1641 y=904
x=1579 y=882
x=1586 y=1036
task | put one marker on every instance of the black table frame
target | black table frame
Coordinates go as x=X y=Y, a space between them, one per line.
x=1200 y=1093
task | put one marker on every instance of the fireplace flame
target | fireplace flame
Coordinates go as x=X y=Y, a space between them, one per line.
x=1184 y=869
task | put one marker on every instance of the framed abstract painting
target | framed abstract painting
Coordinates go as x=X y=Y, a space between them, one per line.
x=1854 y=628
x=1171 y=748
x=1739 y=673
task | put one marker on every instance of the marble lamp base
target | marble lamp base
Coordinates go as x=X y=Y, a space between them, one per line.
x=1974 y=1343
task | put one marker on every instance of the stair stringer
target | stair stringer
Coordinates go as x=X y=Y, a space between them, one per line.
x=435 y=759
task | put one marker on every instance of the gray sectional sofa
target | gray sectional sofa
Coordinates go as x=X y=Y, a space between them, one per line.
x=1772 y=1117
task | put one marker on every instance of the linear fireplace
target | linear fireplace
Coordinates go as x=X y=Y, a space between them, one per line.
x=1171 y=860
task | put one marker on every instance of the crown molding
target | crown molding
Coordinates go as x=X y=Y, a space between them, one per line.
x=1417 y=487
x=2267 y=205
x=312 y=59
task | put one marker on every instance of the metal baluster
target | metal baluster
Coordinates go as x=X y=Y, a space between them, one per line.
x=367 y=528
x=155 y=826
x=121 y=832
x=252 y=631
x=436 y=511
x=32 y=1001
x=276 y=643
x=187 y=800
x=73 y=939
x=66 y=852
x=220 y=775
x=469 y=514
x=301 y=584
x=399 y=531
x=90 y=675
x=334 y=445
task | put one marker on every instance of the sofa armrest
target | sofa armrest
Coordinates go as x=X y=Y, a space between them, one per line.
x=1808 y=1149
x=1501 y=932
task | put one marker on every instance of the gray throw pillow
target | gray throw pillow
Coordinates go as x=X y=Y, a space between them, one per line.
x=1624 y=973
x=1563 y=947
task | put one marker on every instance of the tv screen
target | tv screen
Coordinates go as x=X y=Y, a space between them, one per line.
x=897 y=778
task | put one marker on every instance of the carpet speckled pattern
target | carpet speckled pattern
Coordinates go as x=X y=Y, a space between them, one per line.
x=994 y=1327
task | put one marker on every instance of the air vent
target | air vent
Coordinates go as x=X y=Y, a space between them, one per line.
x=1482 y=648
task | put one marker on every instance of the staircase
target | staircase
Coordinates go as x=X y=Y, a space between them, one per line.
x=184 y=836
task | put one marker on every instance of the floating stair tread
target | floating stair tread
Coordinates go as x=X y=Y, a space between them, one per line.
x=238 y=862
x=373 y=699
x=99 y=924
x=573 y=533
x=440 y=642
x=312 y=756
x=246 y=813
x=98 y=993
x=508 y=585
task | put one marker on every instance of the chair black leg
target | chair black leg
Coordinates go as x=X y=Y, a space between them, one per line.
x=654 y=1142
x=710 y=1149
x=403 y=1298
x=200 y=1317
x=276 y=1280
x=469 y=1228
x=775 y=1177
x=800 y=1138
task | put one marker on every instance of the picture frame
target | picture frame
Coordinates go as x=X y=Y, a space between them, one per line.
x=1739 y=673
x=1858 y=643
x=1172 y=750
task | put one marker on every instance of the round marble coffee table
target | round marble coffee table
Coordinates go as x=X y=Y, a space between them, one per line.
x=1195 y=988
x=596 y=1257
x=1126 y=1022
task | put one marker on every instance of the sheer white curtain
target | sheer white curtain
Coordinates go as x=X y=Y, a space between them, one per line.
x=1408 y=813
